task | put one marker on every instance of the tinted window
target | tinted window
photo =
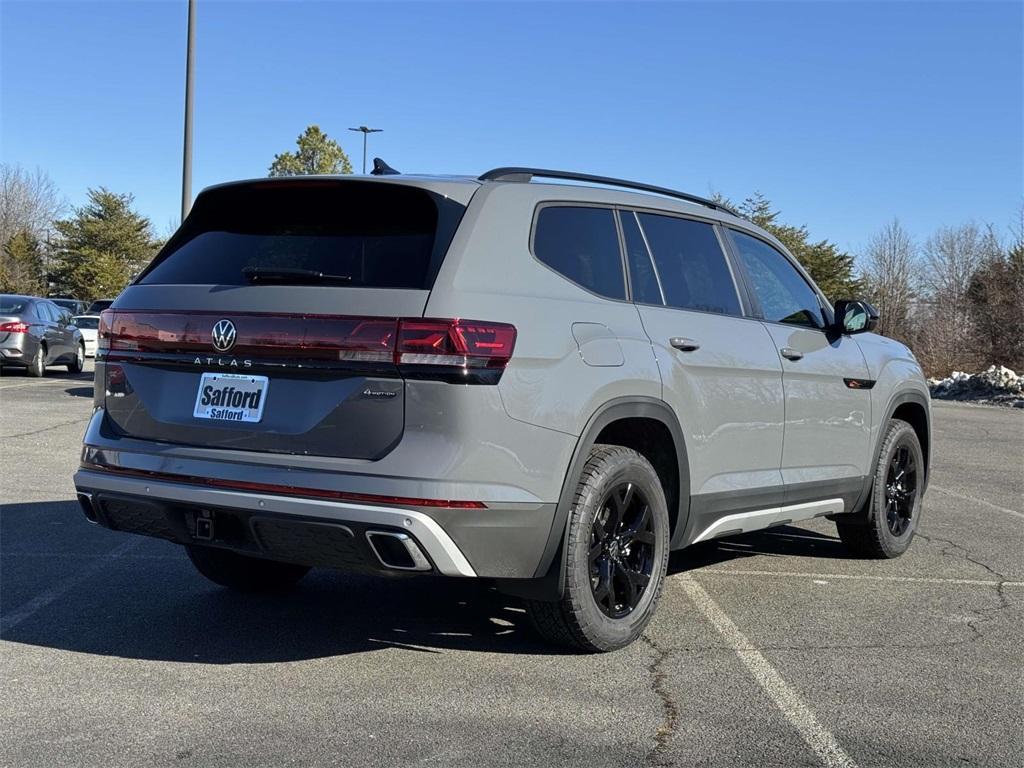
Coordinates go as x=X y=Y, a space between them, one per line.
x=691 y=265
x=46 y=311
x=11 y=305
x=89 y=323
x=784 y=295
x=362 y=234
x=582 y=244
x=642 y=276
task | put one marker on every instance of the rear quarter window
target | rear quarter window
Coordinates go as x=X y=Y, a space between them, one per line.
x=370 y=234
x=582 y=244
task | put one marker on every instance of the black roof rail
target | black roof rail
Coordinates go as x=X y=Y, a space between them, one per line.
x=526 y=174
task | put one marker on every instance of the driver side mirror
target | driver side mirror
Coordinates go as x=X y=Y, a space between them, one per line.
x=855 y=316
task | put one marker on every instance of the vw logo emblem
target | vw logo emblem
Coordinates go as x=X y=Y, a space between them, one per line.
x=223 y=335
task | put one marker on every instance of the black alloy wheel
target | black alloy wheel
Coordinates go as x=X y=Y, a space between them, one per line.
x=622 y=542
x=900 y=490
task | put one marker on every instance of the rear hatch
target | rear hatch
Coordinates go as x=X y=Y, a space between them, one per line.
x=269 y=320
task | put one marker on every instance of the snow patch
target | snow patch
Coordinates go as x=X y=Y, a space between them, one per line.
x=997 y=385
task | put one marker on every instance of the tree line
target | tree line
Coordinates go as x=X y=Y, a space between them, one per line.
x=956 y=298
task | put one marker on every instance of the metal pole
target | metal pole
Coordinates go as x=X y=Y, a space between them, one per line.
x=365 y=131
x=186 y=164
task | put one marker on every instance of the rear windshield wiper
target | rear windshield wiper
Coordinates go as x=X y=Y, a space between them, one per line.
x=292 y=275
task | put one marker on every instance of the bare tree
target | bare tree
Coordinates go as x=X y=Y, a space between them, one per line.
x=29 y=202
x=951 y=258
x=890 y=268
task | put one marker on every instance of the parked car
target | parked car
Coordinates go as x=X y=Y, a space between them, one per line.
x=546 y=385
x=89 y=326
x=35 y=333
x=98 y=306
x=74 y=306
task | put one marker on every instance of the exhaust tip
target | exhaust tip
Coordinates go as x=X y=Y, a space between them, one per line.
x=88 y=508
x=397 y=550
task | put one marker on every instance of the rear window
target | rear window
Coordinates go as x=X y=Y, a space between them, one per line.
x=355 y=233
x=89 y=323
x=10 y=305
x=583 y=245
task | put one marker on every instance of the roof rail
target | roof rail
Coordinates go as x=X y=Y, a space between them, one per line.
x=526 y=174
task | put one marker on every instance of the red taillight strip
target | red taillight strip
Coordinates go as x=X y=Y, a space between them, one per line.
x=447 y=342
x=285 y=490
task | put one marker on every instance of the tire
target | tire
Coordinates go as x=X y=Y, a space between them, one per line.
x=886 y=525
x=581 y=619
x=241 y=572
x=76 y=365
x=37 y=368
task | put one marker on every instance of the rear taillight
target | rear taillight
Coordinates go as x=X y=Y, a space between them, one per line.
x=448 y=349
x=15 y=327
x=104 y=331
x=461 y=343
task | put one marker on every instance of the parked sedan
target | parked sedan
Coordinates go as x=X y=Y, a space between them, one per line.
x=89 y=325
x=35 y=333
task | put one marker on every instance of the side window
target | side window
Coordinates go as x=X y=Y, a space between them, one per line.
x=784 y=295
x=641 y=270
x=693 y=270
x=43 y=312
x=583 y=245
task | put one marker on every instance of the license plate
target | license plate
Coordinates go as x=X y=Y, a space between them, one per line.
x=231 y=397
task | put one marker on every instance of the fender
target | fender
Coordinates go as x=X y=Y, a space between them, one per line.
x=549 y=579
x=898 y=399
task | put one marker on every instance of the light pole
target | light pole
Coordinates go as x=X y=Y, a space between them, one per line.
x=364 y=130
x=186 y=162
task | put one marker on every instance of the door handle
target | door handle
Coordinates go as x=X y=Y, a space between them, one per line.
x=791 y=354
x=684 y=345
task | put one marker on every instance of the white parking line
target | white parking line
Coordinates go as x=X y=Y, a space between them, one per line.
x=60 y=589
x=975 y=500
x=860 y=577
x=818 y=738
x=4 y=388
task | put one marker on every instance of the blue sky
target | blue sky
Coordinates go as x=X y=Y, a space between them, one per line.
x=844 y=114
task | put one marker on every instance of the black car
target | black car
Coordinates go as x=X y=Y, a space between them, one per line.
x=74 y=306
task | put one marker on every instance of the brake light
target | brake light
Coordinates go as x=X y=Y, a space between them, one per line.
x=15 y=327
x=417 y=345
x=103 y=333
x=463 y=343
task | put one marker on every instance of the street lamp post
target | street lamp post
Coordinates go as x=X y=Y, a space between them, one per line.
x=186 y=163
x=364 y=130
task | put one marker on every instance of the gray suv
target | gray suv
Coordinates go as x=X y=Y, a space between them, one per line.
x=550 y=386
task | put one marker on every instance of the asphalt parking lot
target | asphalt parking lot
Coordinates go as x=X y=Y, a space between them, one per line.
x=768 y=649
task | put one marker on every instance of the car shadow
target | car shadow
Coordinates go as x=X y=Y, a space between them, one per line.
x=783 y=541
x=70 y=585
x=52 y=372
x=79 y=391
x=74 y=586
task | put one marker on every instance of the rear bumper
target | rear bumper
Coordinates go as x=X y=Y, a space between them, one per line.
x=464 y=543
x=17 y=349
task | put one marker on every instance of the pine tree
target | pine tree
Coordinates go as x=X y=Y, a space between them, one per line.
x=316 y=153
x=21 y=265
x=102 y=247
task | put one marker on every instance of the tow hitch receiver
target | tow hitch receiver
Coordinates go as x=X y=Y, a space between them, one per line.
x=204 y=525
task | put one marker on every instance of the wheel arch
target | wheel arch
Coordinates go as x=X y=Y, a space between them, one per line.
x=619 y=411
x=914 y=407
